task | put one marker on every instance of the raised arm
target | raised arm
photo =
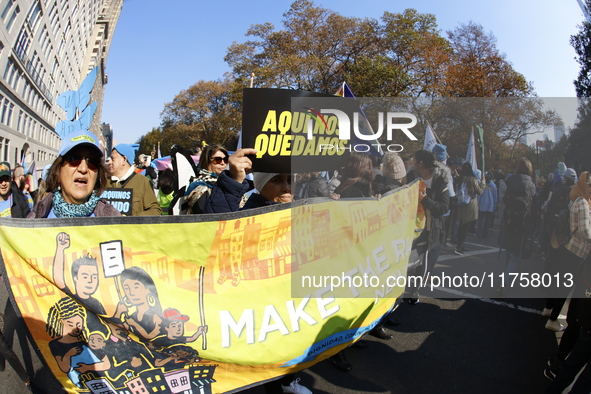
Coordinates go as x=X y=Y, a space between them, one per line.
x=62 y=243
x=231 y=185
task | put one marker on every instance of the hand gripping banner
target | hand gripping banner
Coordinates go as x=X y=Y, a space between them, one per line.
x=206 y=303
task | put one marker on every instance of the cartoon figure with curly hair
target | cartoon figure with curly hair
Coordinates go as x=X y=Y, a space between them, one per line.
x=66 y=324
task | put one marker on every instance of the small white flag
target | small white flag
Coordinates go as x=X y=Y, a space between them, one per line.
x=471 y=154
x=430 y=140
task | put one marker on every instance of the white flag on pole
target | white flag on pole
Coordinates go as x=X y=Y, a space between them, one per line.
x=430 y=140
x=471 y=154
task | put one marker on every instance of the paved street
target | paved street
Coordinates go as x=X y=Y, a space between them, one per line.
x=452 y=343
x=448 y=344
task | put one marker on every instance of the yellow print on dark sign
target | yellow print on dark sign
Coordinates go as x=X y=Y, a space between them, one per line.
x=275 y=141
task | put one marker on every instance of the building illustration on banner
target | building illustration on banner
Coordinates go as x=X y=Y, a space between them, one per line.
x=246 y=252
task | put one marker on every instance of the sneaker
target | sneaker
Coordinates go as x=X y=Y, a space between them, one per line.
x=457 y=251
x=554 y=325
x=550 y=373
x=296 y=388
x=547 y=312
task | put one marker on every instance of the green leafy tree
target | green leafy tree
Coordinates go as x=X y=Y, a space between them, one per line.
x=407 y=59
x=580 y=137
x=149 y=142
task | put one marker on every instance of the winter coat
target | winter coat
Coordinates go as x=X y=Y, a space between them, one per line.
x=383 y=184
x=144 y=202
x=358 y=189
x=198 y=192
x=43 y=207
x=20 y=207
x=468 y=213
x=436 y=202
x=487 y=201
x=318 y=187
x=516 y=185
x=226 y=195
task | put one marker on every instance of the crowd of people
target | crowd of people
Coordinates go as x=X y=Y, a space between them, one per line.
x=458 y=200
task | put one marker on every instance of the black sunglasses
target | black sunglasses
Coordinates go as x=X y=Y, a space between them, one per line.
x=218 y=160
x=93 y=163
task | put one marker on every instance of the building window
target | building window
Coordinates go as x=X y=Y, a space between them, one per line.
x=12 y=18
x=9 y=115
x=35 y=15
x=6 y=149
x=5 y=106
x=9 y=72
x=23 y=42
x=19 y=121
x=7 y=8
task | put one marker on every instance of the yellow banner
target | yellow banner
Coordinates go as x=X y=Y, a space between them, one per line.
x=206 y=302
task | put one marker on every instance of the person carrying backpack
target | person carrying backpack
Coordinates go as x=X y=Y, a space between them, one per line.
x=516 y=222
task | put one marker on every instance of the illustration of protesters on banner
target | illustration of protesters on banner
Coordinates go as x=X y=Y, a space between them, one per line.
x=173 y=329
x=139 y=310
x=86 y=282
x=176 y=357
x=74 y=356
x=125 y=355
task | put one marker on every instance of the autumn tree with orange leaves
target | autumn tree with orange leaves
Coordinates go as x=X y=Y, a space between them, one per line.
x=400 y=55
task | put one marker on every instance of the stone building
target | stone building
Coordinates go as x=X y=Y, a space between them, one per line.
x=47 y=47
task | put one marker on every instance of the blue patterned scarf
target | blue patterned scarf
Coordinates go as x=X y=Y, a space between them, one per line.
x=62 y=209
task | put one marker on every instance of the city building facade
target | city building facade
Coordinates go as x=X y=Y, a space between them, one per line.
x=47 y=47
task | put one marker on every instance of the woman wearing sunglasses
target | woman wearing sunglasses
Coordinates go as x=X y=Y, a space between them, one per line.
x=212 y=161
x=75 y=181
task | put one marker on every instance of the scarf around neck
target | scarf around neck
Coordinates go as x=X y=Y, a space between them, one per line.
x=580 y=189
x=62 y=209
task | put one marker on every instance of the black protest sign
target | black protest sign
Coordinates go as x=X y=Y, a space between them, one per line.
x=121 y=199
x=296 y=131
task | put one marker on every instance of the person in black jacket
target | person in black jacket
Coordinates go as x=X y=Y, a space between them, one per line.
x=435 y=201
x=516 y=223
x=12 y=202
x=310 y=185
x=357 y=178
x=559 y=200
